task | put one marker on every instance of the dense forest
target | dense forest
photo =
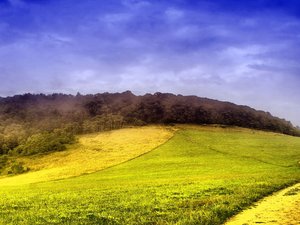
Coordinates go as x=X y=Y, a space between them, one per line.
x=31 y=124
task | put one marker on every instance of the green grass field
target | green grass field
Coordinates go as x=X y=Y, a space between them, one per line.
x=203 y=175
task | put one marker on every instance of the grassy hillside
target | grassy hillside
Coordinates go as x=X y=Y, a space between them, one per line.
x=202 y=175
x=92 y=152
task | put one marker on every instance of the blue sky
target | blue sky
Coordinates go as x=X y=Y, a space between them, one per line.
x=246 y=52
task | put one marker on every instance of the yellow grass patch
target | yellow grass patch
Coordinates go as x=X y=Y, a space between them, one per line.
x=93 y=152
x=280 y=208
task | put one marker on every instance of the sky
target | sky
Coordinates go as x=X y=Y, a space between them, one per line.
x=246 y=51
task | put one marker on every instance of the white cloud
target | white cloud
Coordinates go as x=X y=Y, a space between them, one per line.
x=187 y=32
x=173 y=14
x=116 y=18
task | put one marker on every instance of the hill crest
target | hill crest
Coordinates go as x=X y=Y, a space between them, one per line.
x=135 y=110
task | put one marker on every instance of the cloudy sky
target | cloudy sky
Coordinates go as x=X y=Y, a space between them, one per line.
x=246 y=52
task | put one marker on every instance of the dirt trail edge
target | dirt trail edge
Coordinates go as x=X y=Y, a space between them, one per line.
x=282 y=208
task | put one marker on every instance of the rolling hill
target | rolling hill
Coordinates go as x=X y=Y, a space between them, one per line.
x=32 y=124
x=126 y=159
x=202 y=175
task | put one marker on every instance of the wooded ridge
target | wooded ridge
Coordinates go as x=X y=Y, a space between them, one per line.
x=30 y=119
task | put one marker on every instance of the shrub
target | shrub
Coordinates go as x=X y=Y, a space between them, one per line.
x=3 y=161
x=18 y=168
x=45 y=142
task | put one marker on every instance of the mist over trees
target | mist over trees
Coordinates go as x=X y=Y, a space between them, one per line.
x=31 y=124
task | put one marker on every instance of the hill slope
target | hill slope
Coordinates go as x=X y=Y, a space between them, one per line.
x=92 y=152
x=203 y=175
x=28 y=120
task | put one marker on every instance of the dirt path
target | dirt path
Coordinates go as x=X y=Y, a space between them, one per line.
x=282 y=208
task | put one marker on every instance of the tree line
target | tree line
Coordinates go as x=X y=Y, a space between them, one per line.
x=33 y=124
